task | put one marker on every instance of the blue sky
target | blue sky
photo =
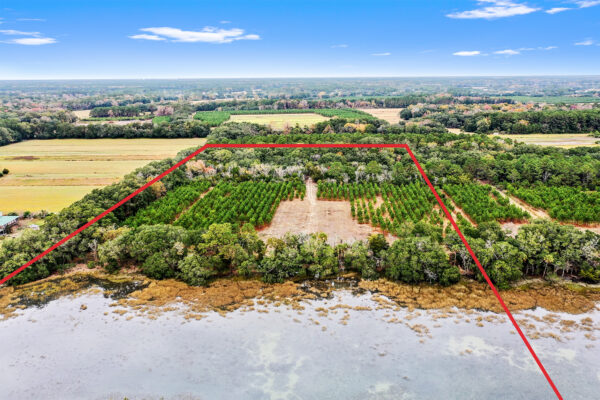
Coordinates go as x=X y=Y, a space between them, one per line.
x=41 y=39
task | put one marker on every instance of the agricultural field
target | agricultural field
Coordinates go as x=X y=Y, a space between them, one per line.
x=281 y=118
x=310 y=214
x=562 y=202
x=51 y=174
x=385 y=206
x=280 y=121
x=483 y=203
x=253 y=202
x=563 y=140
x=391 y=115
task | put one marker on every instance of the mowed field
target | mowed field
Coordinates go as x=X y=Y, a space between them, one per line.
x=391 y=115
x=280 y=121
x=564 y=140
x=51 y=174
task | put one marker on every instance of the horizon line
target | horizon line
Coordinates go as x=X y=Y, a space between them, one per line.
x=305 y=77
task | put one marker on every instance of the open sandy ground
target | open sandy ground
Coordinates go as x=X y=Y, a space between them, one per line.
x=391 y=115
x=311 y=215
x=564 y=140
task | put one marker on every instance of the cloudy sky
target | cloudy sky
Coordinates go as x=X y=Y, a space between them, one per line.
x=64 y=39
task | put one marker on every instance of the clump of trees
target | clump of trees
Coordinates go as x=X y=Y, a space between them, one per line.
x=15 y=252
x=543 y=248
x=196 y=257
x=116 y=111
x=15 y=130
x=4 y=171
x=548 y=121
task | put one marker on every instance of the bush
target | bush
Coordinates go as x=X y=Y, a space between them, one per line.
x=197 y=270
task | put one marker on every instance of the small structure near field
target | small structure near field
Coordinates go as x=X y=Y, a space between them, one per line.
x=6 y=223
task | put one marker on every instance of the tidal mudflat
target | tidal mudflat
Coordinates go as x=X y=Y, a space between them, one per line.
x=84 y=336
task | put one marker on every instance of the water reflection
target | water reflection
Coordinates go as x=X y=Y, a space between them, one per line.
x=347 y=345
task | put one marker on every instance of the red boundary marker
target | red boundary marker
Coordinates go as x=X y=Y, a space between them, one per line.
x=306 y=145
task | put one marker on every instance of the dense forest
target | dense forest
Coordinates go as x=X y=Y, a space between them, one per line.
x=558 y=121
x=13 y=131
x=222 y=242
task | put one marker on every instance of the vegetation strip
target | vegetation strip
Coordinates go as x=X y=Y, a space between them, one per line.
x=323 y=145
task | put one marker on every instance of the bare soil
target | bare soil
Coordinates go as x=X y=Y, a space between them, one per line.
x=537 y=213
x=391 y=115
x=311 y=215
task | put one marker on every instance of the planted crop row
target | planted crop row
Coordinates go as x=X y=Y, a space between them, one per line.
x=253 y=202
x=399 y=203
x=212 y=118
x=168 y=207
x=563 y=203
x=483 y=203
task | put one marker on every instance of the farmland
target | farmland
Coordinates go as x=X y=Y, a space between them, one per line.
x=556 y=140
x=280 y=121
x=51 y=174
x=391 y=115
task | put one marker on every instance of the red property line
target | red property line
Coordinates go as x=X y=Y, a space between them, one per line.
x=305 y=145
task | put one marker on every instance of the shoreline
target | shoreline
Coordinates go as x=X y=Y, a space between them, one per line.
x=146 y=295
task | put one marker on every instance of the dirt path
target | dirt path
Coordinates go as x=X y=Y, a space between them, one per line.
x=457 y=210
x=537 y=213
x=312 y=215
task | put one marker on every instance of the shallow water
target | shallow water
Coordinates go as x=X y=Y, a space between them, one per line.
x=345 y=347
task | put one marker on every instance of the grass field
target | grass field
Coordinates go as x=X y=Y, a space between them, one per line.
x=51 y=174
x=280 y=121
x=564 y=140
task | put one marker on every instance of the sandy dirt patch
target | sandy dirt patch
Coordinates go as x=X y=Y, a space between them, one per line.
x=564 y=140
x=82 y=114
x=311 y=215
x=391 y=115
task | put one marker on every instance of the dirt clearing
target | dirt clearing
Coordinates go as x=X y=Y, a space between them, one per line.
x=563 y=140
x=391 y=115
x=311 y=215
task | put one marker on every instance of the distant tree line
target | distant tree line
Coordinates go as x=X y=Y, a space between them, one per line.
x=13 y=130
x=559 y=121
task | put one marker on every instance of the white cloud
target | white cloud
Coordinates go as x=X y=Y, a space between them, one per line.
x=587 y=3
x=381 y=54
x=548 y=48
x=587 y=42
x=31 y=19
x=467 y=53
x=18 y=33
x=490 y=9
x=224 y=22
x=557 y=10
x=508 y=52
x=339 y=46
x=33 y=41
x=206 y=35
x=145 y=36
